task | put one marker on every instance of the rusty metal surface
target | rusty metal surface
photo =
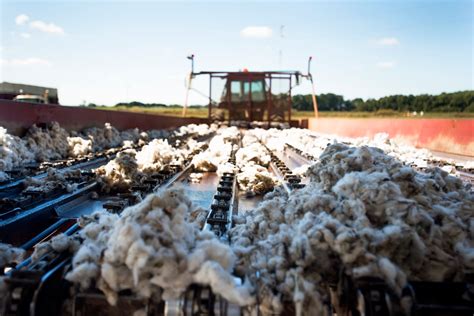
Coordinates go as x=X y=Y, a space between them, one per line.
x=455 y=136
x=18 y=116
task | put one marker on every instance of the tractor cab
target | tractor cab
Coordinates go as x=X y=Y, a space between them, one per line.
x=245 y=96
x=250 y=96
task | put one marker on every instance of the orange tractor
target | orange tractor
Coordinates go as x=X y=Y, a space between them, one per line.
x=248 y=96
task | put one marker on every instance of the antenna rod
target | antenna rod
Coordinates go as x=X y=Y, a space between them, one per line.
x=188 y=83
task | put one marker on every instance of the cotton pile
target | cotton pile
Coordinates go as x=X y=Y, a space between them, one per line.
x=103 y=138
x=154 y=133
x=97 y=139
x=55 y=180
x=218 y=152
x=10 y=254
x=79 y=146
x=133 y=135
x=131 y=166
x=253 y=153
x=253 y=160
x=157 y=155
x=54 y=142
x=209 y=160
x=59 y=243
x=119 y=173
x=154 y=250
x=363 y=211
x=201 y=129
x=13 y=153
x=49 y=143
x=255 y=179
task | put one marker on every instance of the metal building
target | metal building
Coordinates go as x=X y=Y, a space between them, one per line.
x=26 y=93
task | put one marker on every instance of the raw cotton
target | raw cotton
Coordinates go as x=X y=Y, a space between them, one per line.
x=49 y=143
x=364 y=212
x=119 y=173
x=218 y=152
x=157 y=155
x=255 y=179
x=130 y=166
x=103 y=138
x=10 y=254
x=58 y=244
x=13 y=153
x=79 y=146
x=154 y=133
x=54 y=180
x=201 y=129
x=132 y=135
x=253 y=153
x=253 y=160
x=154 y=250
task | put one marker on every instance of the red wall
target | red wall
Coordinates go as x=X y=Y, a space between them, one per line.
x=18 y=116
x=454 y=136
x=447 y=135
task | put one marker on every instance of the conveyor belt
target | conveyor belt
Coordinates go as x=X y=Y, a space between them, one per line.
x=43 y=290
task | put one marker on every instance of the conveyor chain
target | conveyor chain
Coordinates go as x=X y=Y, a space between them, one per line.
x=219 y=219
x=291 y=180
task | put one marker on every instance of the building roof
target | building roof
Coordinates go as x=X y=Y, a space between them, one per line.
x=18 y=88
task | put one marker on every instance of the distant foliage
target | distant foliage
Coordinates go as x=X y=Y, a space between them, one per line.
x=462 y=101
x=152 y=105
x=139 y=104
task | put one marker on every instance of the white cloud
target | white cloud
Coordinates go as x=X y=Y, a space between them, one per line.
x=46 y=27
x=32 y=61
x=386 y=64
x=256 y=32
x=21 y=19
x=25 y=35
x=388 y=41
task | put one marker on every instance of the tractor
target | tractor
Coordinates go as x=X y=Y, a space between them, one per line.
x=248 y=96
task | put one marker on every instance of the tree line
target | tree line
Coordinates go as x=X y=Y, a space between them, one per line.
x=462 y=101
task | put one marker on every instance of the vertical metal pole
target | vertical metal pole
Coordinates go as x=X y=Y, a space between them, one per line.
x=228 y=99
x=250 y=100
x=313 y=94
x=270 y=101
x=315 y=102
x=210 y=97
x=289 y=103
x=187 y=95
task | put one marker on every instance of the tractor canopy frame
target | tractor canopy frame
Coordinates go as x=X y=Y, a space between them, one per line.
x=248 y=95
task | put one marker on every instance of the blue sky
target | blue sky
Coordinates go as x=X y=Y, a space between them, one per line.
x=110 y=51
